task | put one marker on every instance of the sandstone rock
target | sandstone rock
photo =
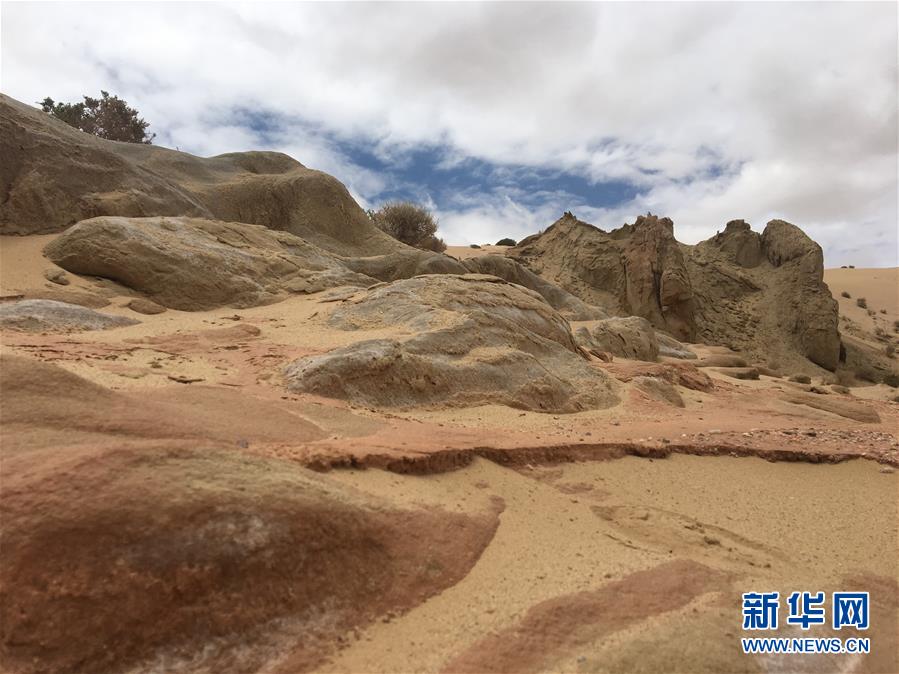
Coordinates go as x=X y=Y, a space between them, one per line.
x=145 y=306
x=561 y=300
x=738 y=372
x=53 y=176
x=850 y=409
x=635 y=270
x=721 y=360
x=57 y=276
x=762 y=294
x=739 y=243
x=404 y=264
x=767 y=371
x=70 y=295
x=671 y=348
x=631 y=337
x=659 y=389
x=51 y=316
x=681 y=374
x=461 y=340
x=191 y=264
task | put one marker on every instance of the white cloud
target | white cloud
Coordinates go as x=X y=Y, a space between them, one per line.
x=716 y=110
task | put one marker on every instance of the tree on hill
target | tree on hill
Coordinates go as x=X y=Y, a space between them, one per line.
x=506 y=242
x=410 y=223
x=108 y=117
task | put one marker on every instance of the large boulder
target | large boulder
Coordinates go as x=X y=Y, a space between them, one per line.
x=192 y=264
x=53 y=316
x=459 y=341
x=762 y=295
x=631 y=337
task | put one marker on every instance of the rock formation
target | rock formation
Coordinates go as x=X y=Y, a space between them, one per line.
x=470 y=340
x=52 y=316
x=571 y=307
x=191 y=264
x=637 y=270
x=759 y=294
x=631 y=337
x=52 y=176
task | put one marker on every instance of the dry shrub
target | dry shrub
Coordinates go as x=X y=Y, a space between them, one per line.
x=862 y=302
x=410 y=223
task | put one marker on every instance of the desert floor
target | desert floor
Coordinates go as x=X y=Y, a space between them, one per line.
x=623 y=537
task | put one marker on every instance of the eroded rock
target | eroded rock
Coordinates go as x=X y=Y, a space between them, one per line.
x=461 y=340
x=53 y=316
x=631 y=337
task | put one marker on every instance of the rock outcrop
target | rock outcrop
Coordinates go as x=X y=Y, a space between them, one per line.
x=192 y=264
x=631 y=337
x=571 y=307
x=762 y=295
x=462 y=340
x=53 y=176
x=52 y=316
x=637 y=270
x=765 y=295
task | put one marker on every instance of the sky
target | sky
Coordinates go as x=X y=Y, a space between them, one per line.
x=501 y=116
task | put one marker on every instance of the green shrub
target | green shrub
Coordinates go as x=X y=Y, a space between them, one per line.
x=107 y=117
x=506 y=242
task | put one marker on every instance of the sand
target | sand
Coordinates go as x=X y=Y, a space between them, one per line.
x=572 y=529
x=622 y=532
x=465 y=252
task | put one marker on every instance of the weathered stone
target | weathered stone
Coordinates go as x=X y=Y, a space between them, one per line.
x=52 y=316
x=191 y=264
x=631 y=337
x=472 y=340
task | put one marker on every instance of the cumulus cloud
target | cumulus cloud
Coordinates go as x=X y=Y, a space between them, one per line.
x=710 y=111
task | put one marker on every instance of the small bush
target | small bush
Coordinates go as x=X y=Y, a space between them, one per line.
x=474 y=245
x=862 y=302
x=879 y=331
x=410 y=223
x=506 y=242
x=852 y=266
x=846 y=295
x=883 y=311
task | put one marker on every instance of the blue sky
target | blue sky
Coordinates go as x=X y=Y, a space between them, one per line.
x=501 y=116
